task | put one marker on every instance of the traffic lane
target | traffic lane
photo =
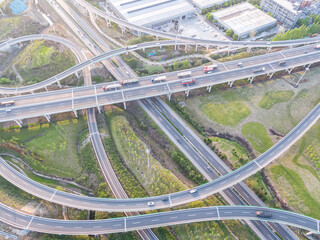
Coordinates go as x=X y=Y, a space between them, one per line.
x=244 y=192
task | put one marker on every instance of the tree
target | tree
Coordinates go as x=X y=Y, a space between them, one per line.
x=230 y=32
x=209 y=16
x=175 y=65
x=235 y=37
x=133 y=63
x=185 y=64
x=5 y=81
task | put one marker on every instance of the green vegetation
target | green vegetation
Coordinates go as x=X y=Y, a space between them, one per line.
x=272 y=98
x=18 y=26
x=299 y=189
x=56 y=148
x=257 y=135
x=5 y=81
x=40 y=60
x=230 y=113
x=300 y=32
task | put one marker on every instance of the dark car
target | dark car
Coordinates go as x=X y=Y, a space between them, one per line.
x=263 y=214
x=165 y=199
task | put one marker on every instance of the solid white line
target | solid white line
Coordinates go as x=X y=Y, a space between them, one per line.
x=29 y=223
x=218 y=213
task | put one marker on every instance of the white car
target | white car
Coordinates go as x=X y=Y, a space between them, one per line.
x=193 y=190
x=150 y=204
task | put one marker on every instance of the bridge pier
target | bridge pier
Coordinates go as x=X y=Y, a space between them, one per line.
x=175 y=47
x=249 y=49
x=305 y=71
x=47 y=117
x=209 y=88
x=270 y=74
x=207 y=48
x=19 y=123
x=289 y=70
x=269 y=49
x=187 y=92
x=59 y=84
x=75 y=113
x=124 y=105
x=185 y=47
x=123 y=29
x=196 y=47
x=98 y=107
x=229 y=48
x=46 y=89
x=77 y=75
x=139 y=34
x=108 y=23
x=169 y=96
x=250 y=79
x=230 y=83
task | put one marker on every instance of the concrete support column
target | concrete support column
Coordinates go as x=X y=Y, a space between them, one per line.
x=289 y=70
x=175 y=46
x=124 y=105
x=229 y=48
x=47 y=117
x=207 y=48
x=209 y=88
x=187 y=92
x=139 y=34
x=185 y=47
x=75 y=113
x=249 y=49
x=306 y=70
x=123 y=29
x=196 y=47
x=270 y=75
x=98 y=107
x=108 y=23
x=19 y=123
x=169 y=96
x=157 y=38
x=143 y=49
x=269 y=49
x=77 y=75
x=230 y=83
x=46 y=89
x=250 y=79
x=59 y=84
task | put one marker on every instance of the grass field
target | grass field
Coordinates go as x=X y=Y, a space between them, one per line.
x=41 y=60
x=272 y=98
x=57 y=149
x=257 y=135
x=158 y=180
x=227 y=114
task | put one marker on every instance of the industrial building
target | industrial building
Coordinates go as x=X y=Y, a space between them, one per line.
x=284 y=11
x=244 y=19
x=152 y=13
x=202 y=4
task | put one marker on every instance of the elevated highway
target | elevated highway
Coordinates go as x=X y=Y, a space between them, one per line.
x=124 y=224
x=174 y=199
x=139 y=29
x=74 y=99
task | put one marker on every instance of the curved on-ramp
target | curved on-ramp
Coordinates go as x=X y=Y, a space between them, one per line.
x=174 y=199
x=132 y=223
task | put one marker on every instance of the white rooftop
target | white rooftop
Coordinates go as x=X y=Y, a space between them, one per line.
x=244 y=18
x=149 y=12
x=207 y=3
x=287 y=5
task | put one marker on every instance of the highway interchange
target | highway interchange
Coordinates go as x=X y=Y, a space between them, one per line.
x=292 y=59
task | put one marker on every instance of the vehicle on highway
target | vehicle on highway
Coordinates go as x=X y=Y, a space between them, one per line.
x=150 y=204
x=184 y=74
x=188 y=81
x=317 y=46
x=259 y=70
x=192 y=191
x=133 y=80
x=7 y=103
x=159 y=79
x=263 y=214
x=282 y=63
x=209 y=168
x=268 y=43
x=166 y=198
x=8 y=109
x=209 y=69
x=240 y=64
x=111 y=87
x=179 y=141
x=131 y=47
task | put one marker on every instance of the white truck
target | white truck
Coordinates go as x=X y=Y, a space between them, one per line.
x=159 y=79
x=184 y=74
